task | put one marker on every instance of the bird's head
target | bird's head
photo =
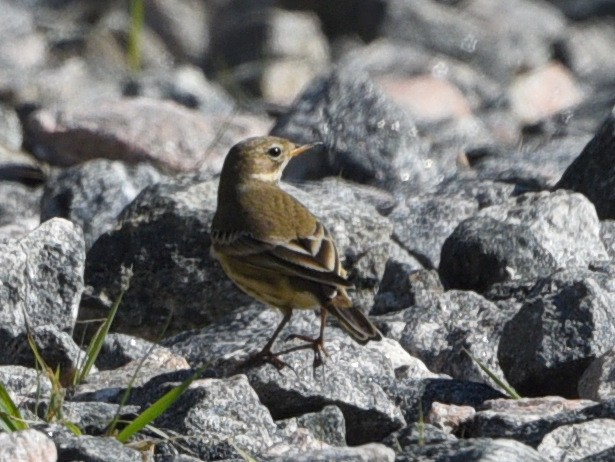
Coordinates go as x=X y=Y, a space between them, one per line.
x=260 y=158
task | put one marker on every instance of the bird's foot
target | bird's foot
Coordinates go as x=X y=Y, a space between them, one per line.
x=316 y=344
x=268 y=356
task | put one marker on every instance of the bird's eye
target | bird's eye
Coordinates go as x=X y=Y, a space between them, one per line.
x=274 y=151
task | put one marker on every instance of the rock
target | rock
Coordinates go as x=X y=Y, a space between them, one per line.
x=171 y=274
x=367 y=138
x=71 y=447
x=415 y=397
x=27 y=445
x=183 y=26
x=120 y=349
x=585 y=10
x=573 y=442
x=586 y=48
x=537 y=166
x=90 y=417
x=268 y=51
x=328 y=424
x=426 y=98
x=422 y=224
x=352 y=377
x=24 y=47
x=57 y=348
x=402 y=287
x=484 y=192
x=437 y=332
x=372 y=452
x=543 y=92
x=527 y=237
x=42 y=276
x=24 y=381
x=93 y=194
x=472 y=450
x=11 y=136
x=211 y=412
x=448 y=417
x=591 y=173
x=19 y=211
x=416 y=434
x=133 y=130
x=564 y=324
x=480 y=32
x=529 y=419
x=596 y=383
x=607 y=234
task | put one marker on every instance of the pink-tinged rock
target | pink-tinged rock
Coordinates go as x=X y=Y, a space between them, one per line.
x=449 y=417
x=426 y=98
x=530 y=409
x=27 y=446
x=139 y=130
x=543 y=92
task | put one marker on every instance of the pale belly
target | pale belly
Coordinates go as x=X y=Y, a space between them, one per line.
x=267 y=286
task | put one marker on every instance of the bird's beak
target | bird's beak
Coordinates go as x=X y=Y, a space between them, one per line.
x=301 y=149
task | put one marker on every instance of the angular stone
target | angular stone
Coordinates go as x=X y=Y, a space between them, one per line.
x=422 y=224
x=27 y=445
x=42 y=275
x=93 y=194
x=366 y=137
x=566 y=322
x=593 y=171
x=576 y=441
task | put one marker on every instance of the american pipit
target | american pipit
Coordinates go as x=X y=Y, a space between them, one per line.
x=274 y=249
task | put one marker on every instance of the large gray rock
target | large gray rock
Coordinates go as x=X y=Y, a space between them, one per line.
x=42 y=276
x=56 y=347
x=93 y=194
x=416 y=396
x=529 y=419
x=352 y=377
x=576 y=441
x=483 y=33
x=527 y=237
x=422 y=224
x=267 y=51
x=472 y=450
x=598 y=380
x=94 y=449
x=567 y=320
x=213 y=412
x=27 y=445
x=19 y=210
x=438 y=330
x=593 y=171
x=134 y=130
x=366 y=137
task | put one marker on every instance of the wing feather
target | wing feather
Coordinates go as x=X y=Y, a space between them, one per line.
x=313 y=257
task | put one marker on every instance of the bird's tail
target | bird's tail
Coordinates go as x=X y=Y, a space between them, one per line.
x=353 y=321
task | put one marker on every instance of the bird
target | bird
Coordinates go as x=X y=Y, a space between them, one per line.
x=275 y=250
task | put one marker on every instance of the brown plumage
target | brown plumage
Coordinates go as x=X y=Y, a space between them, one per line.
x=274 y=248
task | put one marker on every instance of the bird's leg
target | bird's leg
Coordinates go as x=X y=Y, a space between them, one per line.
x=266 y=354
x=317 y=344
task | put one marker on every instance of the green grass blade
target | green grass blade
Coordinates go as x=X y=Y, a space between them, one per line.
x=137 y=13
x=156 y=409
x=10 y=417
x=510 y=391
x=98 y=340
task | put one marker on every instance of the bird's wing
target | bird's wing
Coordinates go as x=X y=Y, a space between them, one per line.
x=312 y=257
